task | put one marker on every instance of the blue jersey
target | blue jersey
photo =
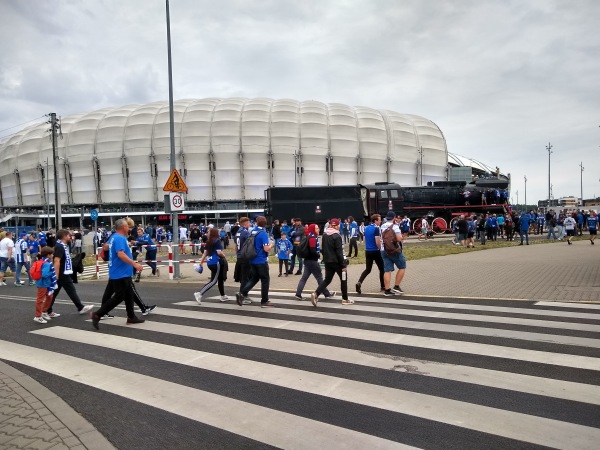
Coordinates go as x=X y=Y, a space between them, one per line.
x=353 y=228
x=371 y=233
x=160 y=234
x=169 y=236
x=283 y=248
x=213 y=258
x=145 y=239
x=34 y=247
x=21 y=250
x=261 y=239
x=592 y=223
x=42 y=238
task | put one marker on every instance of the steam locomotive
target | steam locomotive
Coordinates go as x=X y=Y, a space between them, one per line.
x=440 y=202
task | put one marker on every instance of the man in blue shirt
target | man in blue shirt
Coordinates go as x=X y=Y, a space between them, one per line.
x=372 y=252
x=259 y=266
x=119 y=275
x=592 y=222
x=34 y=247
x=524 y=223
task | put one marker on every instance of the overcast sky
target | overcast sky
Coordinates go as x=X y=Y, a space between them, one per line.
x=500 y=78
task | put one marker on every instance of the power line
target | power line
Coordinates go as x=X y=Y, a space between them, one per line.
x=20 y=125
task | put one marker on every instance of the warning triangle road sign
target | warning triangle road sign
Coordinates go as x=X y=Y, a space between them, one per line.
x=175 y=183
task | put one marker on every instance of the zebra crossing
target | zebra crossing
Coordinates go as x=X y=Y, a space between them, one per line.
x=382 y=373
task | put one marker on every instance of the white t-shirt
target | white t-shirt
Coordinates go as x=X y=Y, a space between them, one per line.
x=569 y=223
x=5 y=244
x=183 y=233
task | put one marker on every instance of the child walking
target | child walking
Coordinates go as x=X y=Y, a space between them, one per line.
x=45 y=286
x=284 y=247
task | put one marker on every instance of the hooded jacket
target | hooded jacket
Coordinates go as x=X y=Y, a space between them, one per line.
x=333 y=249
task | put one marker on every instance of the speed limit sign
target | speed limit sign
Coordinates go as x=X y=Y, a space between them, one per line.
x=176 y=201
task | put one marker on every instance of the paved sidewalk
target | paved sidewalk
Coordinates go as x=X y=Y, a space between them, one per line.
x=32 y=417
x=552 y=271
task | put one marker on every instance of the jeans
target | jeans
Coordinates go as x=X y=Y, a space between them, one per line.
x=258 y=272
x=66 y=282
x=551 y=232
x=195 y=246
x=330 y=270
x=5 y=263
x=151 y=256
x=311 y=268
x=293 y=260
x=373 y=256
x=526 y=234
x=20 y=266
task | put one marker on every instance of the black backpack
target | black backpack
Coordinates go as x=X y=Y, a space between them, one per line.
x=303 y=247
x=248 y=251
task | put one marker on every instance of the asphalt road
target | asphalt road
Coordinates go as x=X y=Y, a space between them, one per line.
x=382 y=373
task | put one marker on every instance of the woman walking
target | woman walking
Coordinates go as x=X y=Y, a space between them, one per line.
x=212 y=254
x=311 y=262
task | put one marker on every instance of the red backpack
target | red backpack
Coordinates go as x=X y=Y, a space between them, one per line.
x=36 y=269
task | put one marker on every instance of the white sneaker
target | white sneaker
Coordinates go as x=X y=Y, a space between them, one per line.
x=224 y=298
x=2 y=283
x=157 y=272
x=46 y=316
x=39 y=320
x=198 y=297
x=85 y=309
x=246 y=301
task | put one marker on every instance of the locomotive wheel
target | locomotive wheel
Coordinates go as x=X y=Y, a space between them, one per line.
x=417 y=226
x=439 y=225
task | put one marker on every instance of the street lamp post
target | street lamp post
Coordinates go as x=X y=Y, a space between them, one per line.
x=525 y=177
x=581 y=181
x=47 y=194
x=174 y=217
x=549 y=148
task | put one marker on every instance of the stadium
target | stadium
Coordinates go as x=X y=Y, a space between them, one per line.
x=228 y=152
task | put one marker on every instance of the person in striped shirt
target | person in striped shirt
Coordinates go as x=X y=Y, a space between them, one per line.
x=21 y=260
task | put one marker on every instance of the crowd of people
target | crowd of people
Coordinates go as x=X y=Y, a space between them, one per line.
x=322 y=254
x=558 y=226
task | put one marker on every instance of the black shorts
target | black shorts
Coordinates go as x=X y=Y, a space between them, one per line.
x=570 y=232
x=593 y=232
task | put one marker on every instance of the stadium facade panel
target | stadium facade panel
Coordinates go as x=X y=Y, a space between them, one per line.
x=228 y=149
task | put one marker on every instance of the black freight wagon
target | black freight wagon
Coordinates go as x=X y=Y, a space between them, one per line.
x=314 y=204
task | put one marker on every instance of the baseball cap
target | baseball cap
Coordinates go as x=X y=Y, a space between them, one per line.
x=334 y=221
x=390 y=215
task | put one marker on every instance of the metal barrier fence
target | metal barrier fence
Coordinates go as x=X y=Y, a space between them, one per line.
x=171 y=262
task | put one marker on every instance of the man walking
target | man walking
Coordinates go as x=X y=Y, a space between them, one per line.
x=259 y=267
x=372 y=252
x=298 y=232
x=592 y=222
x=335 y=263
x=242 y=268
x=390 y=261
x=119 y=276
x=63 y=266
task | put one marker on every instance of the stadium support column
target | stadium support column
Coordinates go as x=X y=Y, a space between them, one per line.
x=175 y=217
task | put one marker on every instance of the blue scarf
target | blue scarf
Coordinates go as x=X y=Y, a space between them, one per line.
x=52 y=276
x=310 y=235
x=68 y=264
